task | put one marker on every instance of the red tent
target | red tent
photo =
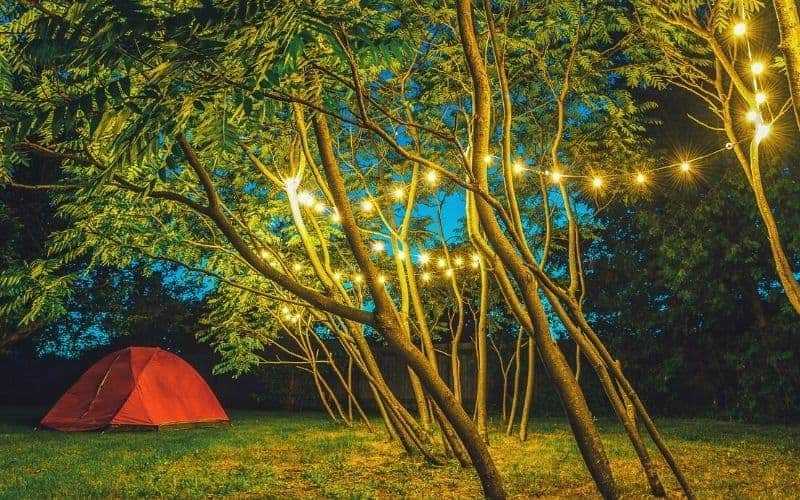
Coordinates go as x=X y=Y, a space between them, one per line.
x=139 y=387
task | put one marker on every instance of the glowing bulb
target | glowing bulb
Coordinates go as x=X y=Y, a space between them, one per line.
x=556 y=177
x=381 y=279
x=685 y=167
x=441 y=263
x=761 y=98
x=762 y=131
x=335 y=217
x=367 y=206
x=488 y=159
x=337 y=276
x=319 y=207
x=757 y=68
x=358 y=278
x=458 y=261
x=305 y=198
x=641 y=178
x=285 y=310
x=597 y=182
x=423 y=258
x=752 y=115
x=519 y=167
x=740 y=28
x=476 y=264
x=297 y=266
x=449 y=273
x=426 y=276
x=264 y=254
x=401 y=254
x=432 y=177
x=399 y=193
x=378 y=246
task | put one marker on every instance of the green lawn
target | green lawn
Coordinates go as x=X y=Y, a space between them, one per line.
x=281 y=455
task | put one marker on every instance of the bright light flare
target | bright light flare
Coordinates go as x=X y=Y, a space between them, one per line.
x=556 y=176
x=423 y=258
x=685 y=166
x=305 y=198
x=367 y=206
x=761 y=98
x=399 y=193
x=757 y=67
x=597 y=182
x=378 y=246
x=432 y=177
x=740 y=28
x=762 y=131
x=641 y=178
x=752 y=115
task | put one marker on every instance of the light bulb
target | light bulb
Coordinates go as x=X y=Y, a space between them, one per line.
x=685 y=167
x=399 y=193
x=757 y=67
x=441 y=263
x=597 y=182
x=488 y=159
x=319 y=207
x=519 y=167
x=458 y=261
x=423 y=258
x=752 y=115
x=641 y=178
x=432 y=177
x=401 y=254
x=305 y=198
x=761 y=98
x=335 y=217
x=762 y=131
x=740 y=28
x=426 y=276
x=381 y=279
x=337 y=276
x=556 y=177
x=378 y=246
x=449 y=273
x=367 y=206
x=358 y=278
x=297 y=266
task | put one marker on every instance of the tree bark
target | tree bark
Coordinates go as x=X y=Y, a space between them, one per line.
x=789 y=28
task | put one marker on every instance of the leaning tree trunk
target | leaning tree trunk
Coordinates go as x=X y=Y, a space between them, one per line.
x=789 y=28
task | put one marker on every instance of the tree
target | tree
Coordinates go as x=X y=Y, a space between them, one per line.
x=196 y=135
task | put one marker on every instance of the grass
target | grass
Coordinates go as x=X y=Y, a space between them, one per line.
x=281 y=455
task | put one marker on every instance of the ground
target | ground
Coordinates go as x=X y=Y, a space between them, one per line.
x=282 y=455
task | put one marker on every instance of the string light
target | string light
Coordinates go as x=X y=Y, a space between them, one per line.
x=597 y=182
x=431 y=177
x=518 y=167
x=761 y=98
x=337 y=276
x=555 y=177
x=378 y=246
x=740 y=28
x=399 y=193
x=319 y=207
x=488 y=159
x=423 y=258
x=762 y=131
x=335 y=217
x=448 y=272
x=458 y=261
x=757 y=67
x=641 y=178
x=367 y=206
x=426 y=276
x=297 y=267
x=381 y=279
x=752 y=115
x=358 y=278
x=401 y=254
x=685 y=166
x=441 y=263
x=305 y=198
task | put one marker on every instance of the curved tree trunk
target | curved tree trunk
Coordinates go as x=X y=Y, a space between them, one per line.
x=789 y=28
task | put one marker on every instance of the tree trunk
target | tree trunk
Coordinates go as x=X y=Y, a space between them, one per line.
x=527 y=402
x=512 y=414
x=789 y=28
